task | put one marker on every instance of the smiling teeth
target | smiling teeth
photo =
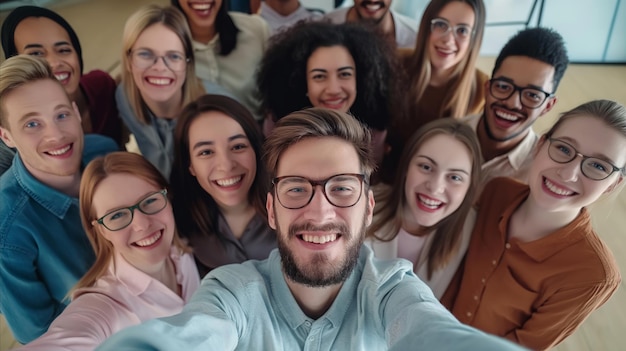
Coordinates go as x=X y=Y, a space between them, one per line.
x=555 y=189
x=319 y=239
x=159 y=81
x=507 y=116
x=60 y=151
x=61 y=76
x=429 y=202
x=201 y=7
x=229 y=181
x=374 y=7
x=149 y=241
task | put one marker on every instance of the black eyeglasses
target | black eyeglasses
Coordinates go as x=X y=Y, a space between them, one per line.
x=592 y=167
x=341 y=190
x=441 y=27
x=123 y=217
x=143 y=59
x=502 y=89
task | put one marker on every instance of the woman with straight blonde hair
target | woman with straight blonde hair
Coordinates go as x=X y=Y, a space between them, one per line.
x=143 y=270
x=441 y=75
x=422 y=217
x=158 y=79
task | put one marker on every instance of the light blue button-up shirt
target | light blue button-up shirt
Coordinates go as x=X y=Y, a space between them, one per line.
x=43 y=247
x=248 y=306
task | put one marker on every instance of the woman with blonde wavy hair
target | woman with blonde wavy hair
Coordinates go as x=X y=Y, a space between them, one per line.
x=158 y=79
x=143 y=270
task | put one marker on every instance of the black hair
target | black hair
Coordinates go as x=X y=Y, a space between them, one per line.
x=224 y=26
x=282 y=83
x=21 y=13
x=543 y=44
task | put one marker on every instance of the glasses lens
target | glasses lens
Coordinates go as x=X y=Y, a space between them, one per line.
x=561 y=151
x=439 y=26
x=343 y=190
x=533 y=98
x=501 y=89
x=143 y=58
x=153 y=203
x=596 y=168
x=462 y=31
x=294 y=192
x=118 y=219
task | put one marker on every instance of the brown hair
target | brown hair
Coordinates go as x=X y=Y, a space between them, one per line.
x=194 y=208
x=465 y=87
x=95 y=172
x=447 y=232
x=17 y=71
x=175 y=21
x=318 y=122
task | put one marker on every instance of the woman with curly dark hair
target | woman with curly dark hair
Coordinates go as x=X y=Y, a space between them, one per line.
x=345 y=67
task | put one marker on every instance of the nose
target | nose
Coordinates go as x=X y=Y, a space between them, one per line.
x=160 y=63
x=225 y=162
x=140 y=221
x=569 y=172
x=319 y=209
x=53 y=132
x=333 y=86
x=53 y=60
x=436 y=184
x=515 y=100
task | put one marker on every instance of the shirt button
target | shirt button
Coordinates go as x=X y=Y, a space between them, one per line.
x=307 y=323
x=483 y=280
x=475 y=297
x=469 y=314
x=508 y=246
x=494 y=262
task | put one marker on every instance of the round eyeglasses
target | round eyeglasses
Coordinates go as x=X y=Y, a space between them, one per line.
x=341 y=190
x=592 y=167
x=529 y=97
x=123 y=217
x=441 y=27
x=174 y=60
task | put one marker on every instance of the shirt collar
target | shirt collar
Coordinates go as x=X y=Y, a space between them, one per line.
x=51 y=199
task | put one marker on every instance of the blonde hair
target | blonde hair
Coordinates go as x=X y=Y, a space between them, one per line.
x=388 y=219
x=17 y=71
x=458 y=98
x=174 y=20
x=95 y=172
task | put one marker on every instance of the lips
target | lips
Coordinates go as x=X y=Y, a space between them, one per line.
x=334 y=104
x=428 y=204
x=556 y=189
x=228 y=182
x=63 y=151
x=443 y=52
x=63 y=77
x=505 y=118
x=159 y=81
x=149 y=241
x=371 y=7
x=319 y=239
x=202 y=9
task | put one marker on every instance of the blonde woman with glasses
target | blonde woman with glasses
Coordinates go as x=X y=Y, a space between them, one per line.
x=158 y=79
x=142 y=271
x=535 y=268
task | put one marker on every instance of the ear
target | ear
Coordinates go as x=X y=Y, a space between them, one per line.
x=76 y=111
x=614 y=185
x=370 y=208
x=549 y=105
x=191 y=170
x=5 y=135
x=269 y=206
x=487 y=84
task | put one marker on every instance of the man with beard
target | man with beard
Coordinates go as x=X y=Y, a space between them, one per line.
x=43 y=248
x=398 y=28
x=321 y=289
x=521 y=89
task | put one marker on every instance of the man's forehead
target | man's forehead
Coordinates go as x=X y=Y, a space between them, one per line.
x=321 y=156
x=33 y=96
x=526 y=71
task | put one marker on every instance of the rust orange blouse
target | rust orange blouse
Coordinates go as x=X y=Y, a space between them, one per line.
x=534 y=293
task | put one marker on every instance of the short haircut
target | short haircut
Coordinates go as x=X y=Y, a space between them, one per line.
x=543 y=44
x=174 y=20
x=282 y=75
x=316 y=123
x=17 y=71
x=23 y=12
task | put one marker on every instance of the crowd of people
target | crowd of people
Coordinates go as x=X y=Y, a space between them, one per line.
x=348 y=181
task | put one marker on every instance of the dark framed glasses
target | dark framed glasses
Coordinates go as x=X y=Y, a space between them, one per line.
x=341 y=190
x=502 y=89
x=122 y=217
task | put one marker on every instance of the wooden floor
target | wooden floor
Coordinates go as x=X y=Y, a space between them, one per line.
x=99 y=24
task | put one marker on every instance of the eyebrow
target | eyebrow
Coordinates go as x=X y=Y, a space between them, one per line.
x=435 y=163
x=447 y=20
x=210 y=142
x=323 y=70
x=532 y=86
x=38 y=46
x=33 y=114
x=575 y=144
